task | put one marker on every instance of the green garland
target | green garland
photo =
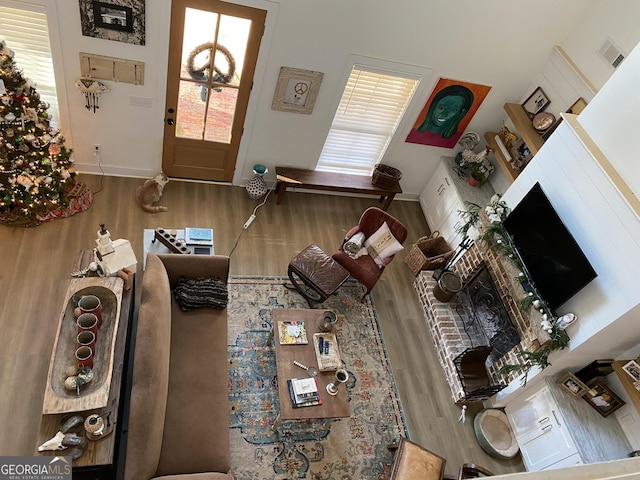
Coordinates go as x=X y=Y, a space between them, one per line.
x=496 y=235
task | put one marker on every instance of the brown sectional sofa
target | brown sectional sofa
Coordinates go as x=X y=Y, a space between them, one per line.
x=179 y=411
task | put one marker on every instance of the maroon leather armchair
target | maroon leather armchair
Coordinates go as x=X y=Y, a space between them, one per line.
x=365 y=269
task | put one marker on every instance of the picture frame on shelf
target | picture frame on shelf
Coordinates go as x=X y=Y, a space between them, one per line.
x=536 y=102
x=577 y=107
x=633 y=370
x=572 y=385
x=520 y=154
x=602 y=399
x=296 y=90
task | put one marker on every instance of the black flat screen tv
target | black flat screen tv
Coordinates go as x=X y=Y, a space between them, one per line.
x=555 y=262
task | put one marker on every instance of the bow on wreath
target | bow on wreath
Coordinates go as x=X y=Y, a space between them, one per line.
x=91 y=89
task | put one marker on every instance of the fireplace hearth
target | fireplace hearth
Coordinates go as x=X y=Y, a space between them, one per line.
x=484 y=317
x=450 y=323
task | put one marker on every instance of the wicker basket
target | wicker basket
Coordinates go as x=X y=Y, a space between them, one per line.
x=428 y=253
x=385 y=176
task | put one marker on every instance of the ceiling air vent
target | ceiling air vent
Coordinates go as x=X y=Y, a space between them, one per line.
x=611 y=53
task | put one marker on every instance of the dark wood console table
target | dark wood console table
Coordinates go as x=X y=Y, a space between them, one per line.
x=103 y=459
x=334 y=182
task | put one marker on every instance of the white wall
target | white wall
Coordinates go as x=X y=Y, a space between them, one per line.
x=465 y=40
x=608 y=231
x=611 y=120
x=456 y=39
x=617 y=20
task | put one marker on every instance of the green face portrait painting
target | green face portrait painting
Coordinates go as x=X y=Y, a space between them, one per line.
x=447 y=113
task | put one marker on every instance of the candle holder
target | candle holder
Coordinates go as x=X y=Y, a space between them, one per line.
x=341 y=377
x=329 y=319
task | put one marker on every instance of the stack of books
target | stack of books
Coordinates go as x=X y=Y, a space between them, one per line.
x=304 y=392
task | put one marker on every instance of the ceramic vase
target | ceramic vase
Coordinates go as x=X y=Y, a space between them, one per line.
x=257 y=187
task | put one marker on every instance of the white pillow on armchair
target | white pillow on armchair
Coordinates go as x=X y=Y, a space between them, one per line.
x=382 y=245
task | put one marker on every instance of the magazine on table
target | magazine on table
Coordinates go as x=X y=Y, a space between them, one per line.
x=293 y=332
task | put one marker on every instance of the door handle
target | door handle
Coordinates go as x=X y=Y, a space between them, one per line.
x=555 y=417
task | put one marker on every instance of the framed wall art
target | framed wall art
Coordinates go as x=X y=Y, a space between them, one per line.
x=572 y=385
x=536 y=102
x=602 y=399
x=117 y=20
x=296 y=90
x=447 y=113
x=633 y=370
x=577 y=107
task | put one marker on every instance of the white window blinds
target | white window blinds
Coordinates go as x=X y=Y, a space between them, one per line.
x=371 y=107
x=26 y=33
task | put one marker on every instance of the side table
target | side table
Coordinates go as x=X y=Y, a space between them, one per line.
x=104 y=458
x=149 y=245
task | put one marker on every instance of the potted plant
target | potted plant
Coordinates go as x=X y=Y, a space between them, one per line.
x=478 y=166
x=476 y=177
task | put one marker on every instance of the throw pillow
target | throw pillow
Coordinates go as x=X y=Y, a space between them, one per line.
x=382 y=245
x=191 y=293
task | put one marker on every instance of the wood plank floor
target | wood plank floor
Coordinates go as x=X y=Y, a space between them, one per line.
x=36 y=264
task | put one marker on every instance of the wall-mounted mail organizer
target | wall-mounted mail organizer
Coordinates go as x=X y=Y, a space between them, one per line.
x=110 y=68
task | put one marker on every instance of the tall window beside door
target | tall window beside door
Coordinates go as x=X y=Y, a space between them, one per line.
x=26 y=33
x=372 y=105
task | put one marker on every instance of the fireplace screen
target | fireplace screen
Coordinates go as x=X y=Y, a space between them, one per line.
x=484 y=318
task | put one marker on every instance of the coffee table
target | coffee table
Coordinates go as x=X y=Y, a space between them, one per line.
x=332 y=406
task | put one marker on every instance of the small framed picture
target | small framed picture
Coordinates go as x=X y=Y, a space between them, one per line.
x=296 y=90
x=633 y=370
x=602 y=399
x=572 y=385
x=113 y=17
x=577 y=107
x=520 y=154
x=536 y=102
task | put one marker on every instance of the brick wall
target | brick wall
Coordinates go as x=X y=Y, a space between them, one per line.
x=446 y=327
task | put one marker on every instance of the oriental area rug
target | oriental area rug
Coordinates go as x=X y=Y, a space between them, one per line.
x=345 y=448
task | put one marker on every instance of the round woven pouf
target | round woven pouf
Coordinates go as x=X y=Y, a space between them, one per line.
x=494 y=434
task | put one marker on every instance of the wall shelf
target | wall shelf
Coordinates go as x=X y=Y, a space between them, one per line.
x=505 y=165
x=529 y=135
x=627 y=383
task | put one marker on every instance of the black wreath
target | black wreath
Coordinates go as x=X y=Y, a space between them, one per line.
x=198 y=72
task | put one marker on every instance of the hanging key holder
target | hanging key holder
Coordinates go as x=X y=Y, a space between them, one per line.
x=92 y=90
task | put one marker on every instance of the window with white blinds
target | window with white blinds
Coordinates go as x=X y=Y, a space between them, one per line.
x=26 y=33
x=371 y=107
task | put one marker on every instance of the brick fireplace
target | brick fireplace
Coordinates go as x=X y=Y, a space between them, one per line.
x=446 y=326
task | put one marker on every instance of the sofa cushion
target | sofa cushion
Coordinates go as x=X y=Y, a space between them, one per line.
x=150 y=373
x=196 y=428
x=192 y=293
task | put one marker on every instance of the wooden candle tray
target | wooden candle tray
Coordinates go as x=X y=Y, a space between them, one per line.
x=95 y=394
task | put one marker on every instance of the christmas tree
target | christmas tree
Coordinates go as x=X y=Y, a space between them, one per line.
x=36 y=170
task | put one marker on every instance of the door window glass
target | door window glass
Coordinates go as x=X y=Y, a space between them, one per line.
x=213 y=51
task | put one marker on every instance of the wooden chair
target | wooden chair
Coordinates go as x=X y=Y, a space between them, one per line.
x=471 y=470
x=365 y=269
x=412 y=462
